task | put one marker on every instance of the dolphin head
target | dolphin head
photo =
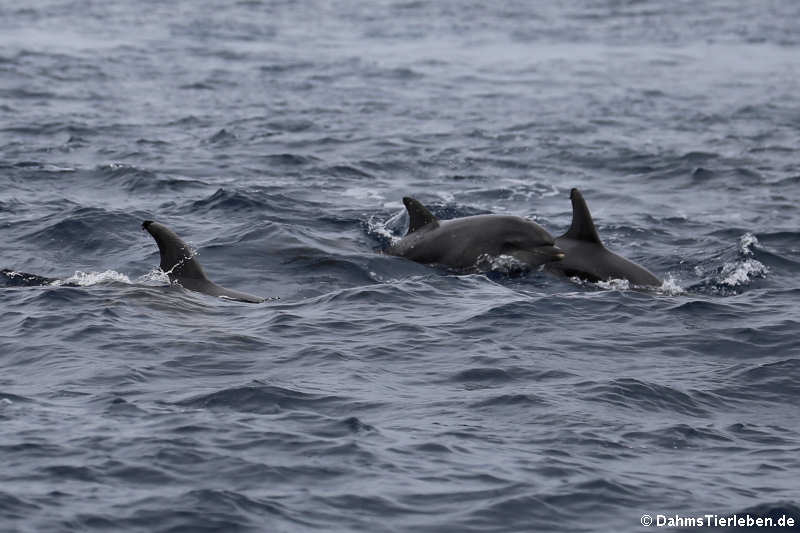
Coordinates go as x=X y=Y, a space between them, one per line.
x=177 y=257
x=531 y=244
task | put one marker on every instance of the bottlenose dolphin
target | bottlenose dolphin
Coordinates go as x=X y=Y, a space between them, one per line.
x=177 y=260
x=462 y=242
x=585 y=256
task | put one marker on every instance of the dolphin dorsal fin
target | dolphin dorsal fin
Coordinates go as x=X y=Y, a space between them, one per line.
x=582 y=228
x=418 y=215
x=178 y=259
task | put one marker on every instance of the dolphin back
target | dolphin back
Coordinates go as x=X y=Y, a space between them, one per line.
x=463 y=244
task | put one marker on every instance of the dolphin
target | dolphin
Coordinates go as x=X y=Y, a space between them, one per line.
x=462 y=242
x=585 y=256
x=12 y=278
x=177 y=260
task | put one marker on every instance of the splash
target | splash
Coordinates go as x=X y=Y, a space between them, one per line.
x=155 y=277
x=743 y=271
x=609 y=285
x=740 y=273
x=734 y=275
x=746 y=243
x=381 y=228
x=86 y=279
x=502 y=264
x=614 y=285
x=671 y=287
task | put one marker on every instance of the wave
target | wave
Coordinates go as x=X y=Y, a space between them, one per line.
x=138 y=180
x=645 y=396
x=287 y=159
x=6 y=398
x=483 y=375
x=13 y=507
x=83 y=229
x=516 y=401
x=771 y=382
x=681 y=436
x=261 y=202
x=264 y=399
x=229 y=201
x=515 y=508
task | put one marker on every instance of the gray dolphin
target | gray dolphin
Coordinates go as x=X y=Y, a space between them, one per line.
x=177 y=260
x=587 y=258
x=460 y=243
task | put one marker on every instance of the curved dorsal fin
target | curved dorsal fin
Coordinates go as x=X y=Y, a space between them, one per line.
x=177 y=258
x=179 y=263
x=418 y=215
x=582 y=228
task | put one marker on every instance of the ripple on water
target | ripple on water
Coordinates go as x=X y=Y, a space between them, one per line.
x=264 y=399
x=630 y=393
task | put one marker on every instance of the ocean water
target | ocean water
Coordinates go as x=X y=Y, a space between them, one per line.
x=377 y=394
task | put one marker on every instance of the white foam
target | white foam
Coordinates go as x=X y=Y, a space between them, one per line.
x=553 y=192
x=382 y=228
x=742 y=272
x=746 y=243
x=504 y=264
x=15 y=274
x=671 y=287
x=56 y=168
x=154 y=277
x=615 y=284
x=577 y=281
x=447 y=196
x=86 y=279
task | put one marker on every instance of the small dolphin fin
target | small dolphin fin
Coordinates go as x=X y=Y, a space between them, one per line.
x=582 y=228
x=418 y=215
x=12 y=278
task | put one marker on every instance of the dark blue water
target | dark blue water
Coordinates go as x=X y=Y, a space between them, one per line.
x=378 y=394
